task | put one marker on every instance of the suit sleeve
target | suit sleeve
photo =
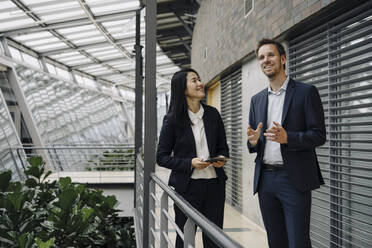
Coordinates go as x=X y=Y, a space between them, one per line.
x=164 y=156
x=223 y=148
x=315 y=134
x=252 y=123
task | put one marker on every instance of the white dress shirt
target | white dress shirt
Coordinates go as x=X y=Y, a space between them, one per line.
x=202 y=150
x=272 y=153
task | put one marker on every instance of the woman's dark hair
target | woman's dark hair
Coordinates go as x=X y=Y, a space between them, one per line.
x=178 y=105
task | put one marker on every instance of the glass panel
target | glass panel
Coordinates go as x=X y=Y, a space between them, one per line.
x=62 y=110
x=15 y=53
x=31 y=60
x=9 y=159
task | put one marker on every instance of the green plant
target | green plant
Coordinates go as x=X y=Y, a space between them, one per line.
x=38 y=213
x=118 y=160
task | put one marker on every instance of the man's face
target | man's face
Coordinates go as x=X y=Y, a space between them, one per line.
x=270 y=60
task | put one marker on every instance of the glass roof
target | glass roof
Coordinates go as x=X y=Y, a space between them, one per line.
x=94 y=37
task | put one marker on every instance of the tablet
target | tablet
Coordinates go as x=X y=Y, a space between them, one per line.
x=216 y=159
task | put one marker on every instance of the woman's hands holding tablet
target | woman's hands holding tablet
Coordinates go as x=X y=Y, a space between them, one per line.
x=218 y=161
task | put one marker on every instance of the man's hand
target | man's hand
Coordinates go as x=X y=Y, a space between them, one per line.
x=254 y=135
x=277 y=134
x=198 y=163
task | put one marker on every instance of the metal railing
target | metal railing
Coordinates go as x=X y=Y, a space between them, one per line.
x=160 y=217
x=100 y=161
x=83 y=157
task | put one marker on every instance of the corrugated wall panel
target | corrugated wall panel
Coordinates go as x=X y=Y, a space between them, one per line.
x=337 y=59
x=231 y=112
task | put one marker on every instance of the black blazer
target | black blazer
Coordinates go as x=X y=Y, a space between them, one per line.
x=303 y=120
x=176 y=147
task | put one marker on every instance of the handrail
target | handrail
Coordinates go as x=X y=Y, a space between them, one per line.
x=69 y=147
x=208 y=227
x=97 y=157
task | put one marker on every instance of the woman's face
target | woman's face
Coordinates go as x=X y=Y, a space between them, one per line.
x=194 y=88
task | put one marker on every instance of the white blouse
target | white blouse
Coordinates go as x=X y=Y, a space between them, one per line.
x=202 y=150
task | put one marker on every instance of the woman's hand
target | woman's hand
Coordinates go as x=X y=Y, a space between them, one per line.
x=219 y=164
x=198 y=163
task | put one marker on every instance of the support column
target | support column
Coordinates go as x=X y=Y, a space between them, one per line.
x=150 y=112
x=139 y=85
x=5 y=47
x=138 y=101
x=23 y=106
x=43 y=64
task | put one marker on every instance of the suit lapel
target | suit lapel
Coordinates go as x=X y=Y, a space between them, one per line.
x=291 y=89
x=264 y=106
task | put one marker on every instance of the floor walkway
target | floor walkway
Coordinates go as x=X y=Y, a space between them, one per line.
x=237 y=226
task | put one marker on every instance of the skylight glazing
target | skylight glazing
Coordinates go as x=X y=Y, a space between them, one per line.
x=79 y=34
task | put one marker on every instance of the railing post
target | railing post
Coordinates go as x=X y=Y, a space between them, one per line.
x=189 y=234
x=151 y=217
x=139 y=95
x=163 y=220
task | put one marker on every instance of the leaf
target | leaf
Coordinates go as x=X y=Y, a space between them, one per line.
x=87 y=212
x=35 y=161
x=15 y=187
x=5 y=178
x=46 y=175
x=16 y=200
x=80 y=188
x=46 y=244
x=31 y=183
x=111 y=201
x=35 y=171
x=6 y=221
x=8 y=241
x=22 y=240
x=66 y=199
x=65 y=181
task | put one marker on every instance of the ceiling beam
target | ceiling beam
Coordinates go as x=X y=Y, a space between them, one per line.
x=164 y=7
x=184 y=24
x=104 y=31
x=87 y=46
x=69 y=23
x=101 y=62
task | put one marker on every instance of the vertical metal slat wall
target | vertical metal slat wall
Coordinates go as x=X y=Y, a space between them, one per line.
x=231 y=112
x=337 y=58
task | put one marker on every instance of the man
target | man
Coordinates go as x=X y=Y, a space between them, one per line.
x=286 y=124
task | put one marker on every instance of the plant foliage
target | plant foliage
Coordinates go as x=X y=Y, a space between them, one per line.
x=39 y=213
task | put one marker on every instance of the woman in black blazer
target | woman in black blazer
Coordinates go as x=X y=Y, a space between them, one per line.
x=192 y=132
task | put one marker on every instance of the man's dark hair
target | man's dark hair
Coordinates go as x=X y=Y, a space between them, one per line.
x=266 y=41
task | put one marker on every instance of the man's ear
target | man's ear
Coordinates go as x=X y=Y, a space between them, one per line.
x=283 y=59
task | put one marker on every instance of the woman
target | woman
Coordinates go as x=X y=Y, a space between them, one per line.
x=192 y=132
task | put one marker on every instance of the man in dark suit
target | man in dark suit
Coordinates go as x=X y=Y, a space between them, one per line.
x=286 y=124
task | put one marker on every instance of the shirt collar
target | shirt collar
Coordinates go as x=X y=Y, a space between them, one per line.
x=196 y=117
x=283 y=88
